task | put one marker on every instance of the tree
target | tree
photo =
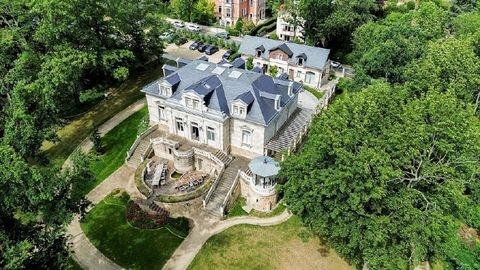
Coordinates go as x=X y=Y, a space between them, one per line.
x=389 y=182
x=239 y=26
x=249 y=63
x=383 y=49
x=35 y=206
x=273 y=71
x=182 y=9
x=463 y=6
x=204 y=12
x=332 y=23
x=449 y=65
x=290 y=12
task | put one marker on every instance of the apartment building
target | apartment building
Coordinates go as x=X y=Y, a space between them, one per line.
x=229 y=11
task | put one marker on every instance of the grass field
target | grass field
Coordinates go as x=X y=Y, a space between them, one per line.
x=115 y=145
x=107 y=228
x=285 y=246
x=80 y=127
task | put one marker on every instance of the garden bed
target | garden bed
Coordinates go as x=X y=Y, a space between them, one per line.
x=107 y=228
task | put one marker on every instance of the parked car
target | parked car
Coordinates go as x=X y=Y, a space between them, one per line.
x=227 y=54
x=180 y=41
x=224 y=35
x=193 y=27
x=211 y=50
x=167 y=35
x=178 y=24
x=203 y=47
x=195 y=45
x=336 y=64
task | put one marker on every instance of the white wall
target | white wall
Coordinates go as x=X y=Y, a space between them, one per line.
x=257 y=141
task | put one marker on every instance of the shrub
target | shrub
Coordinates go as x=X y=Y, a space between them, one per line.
x=254 y=31
x=234 y=56
x=249 y=63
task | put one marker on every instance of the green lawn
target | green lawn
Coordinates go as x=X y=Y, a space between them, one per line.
x=236 y=210
x=80 y=127
x=286 y=246
x=115 y=146
x=315 y=92
x=107 y=228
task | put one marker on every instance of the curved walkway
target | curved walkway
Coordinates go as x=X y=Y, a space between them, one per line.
x=86 y=145
x=89 y=257
x=202 y=230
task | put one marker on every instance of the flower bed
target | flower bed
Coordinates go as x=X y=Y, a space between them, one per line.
x=143 y=220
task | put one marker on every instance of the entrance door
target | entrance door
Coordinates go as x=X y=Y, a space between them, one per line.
x=265 y=68
x=195 y=132
x=290 y=74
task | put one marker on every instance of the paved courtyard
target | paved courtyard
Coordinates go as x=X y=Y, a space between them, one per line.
x=183 y=51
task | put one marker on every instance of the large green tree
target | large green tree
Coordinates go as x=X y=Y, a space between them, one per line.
x=332 y=23
x=182 y=9
x=383 y=49
x=388 y=181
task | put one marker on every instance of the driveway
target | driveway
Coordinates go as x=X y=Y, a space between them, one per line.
x=210 y=30
x=183 y=51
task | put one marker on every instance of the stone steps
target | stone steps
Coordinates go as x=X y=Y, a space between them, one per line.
x=135 y=159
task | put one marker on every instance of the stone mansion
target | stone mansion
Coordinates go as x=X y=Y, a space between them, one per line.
x=226 y=108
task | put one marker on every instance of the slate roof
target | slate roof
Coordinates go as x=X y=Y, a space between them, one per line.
x=181 y=62
x=284 y=48
x=227 y=85
x=315 y=57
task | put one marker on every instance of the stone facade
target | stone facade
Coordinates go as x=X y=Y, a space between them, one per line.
x=258 y=199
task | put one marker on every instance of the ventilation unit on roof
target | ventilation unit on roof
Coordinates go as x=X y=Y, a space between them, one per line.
x=235 y=74
x=202 y=67
x=218 y=70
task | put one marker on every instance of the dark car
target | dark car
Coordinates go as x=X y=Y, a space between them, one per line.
x=211 y=50
x=224 y=35
x=195 y=45
x=227 y=54
x=203 y=47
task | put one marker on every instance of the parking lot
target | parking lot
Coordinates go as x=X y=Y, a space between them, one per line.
x=183 y=51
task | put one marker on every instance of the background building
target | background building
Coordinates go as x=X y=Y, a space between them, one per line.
x=229 y=11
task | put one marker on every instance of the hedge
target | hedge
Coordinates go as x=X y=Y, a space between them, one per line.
x=269 y=22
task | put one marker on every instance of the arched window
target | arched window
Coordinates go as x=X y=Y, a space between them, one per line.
x=310 y=77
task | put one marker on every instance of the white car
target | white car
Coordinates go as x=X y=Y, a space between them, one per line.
x=193 y=27
x=178 y=24
x=336 y=64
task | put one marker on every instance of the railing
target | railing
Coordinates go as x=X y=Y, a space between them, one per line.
x=270 y=190
x=213 y=187
x=186 y=154
x=246 y=176
x=147 y=152
x=139 y=139
x=230 y=193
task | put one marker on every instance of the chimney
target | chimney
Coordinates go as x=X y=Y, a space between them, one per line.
x=290 y=88
x=277 y=102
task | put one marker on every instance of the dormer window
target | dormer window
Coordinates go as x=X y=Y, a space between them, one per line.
x=300 y=61
x=192 y=103
x=239 y=110
x=259 y=53
x=164 y=90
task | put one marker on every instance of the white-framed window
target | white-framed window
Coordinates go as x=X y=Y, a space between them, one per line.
x=239 y=110
x=196 y=104
x=161 y=113
x=279 y=56
x=164 y=90
x=179 y=123
x=259 y=53
x=210 y=134
x=300 y=61
x=299 y=74
x=228 y=12
x=310 y=77
x=244 y=11
x=246 y=137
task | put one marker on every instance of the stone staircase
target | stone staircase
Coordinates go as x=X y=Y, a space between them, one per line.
x=224 y=157
x=135 y=159
x=213 y=206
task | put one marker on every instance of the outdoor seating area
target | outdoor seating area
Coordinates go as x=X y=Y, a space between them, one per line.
x=157 y=175
x=191 y=181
